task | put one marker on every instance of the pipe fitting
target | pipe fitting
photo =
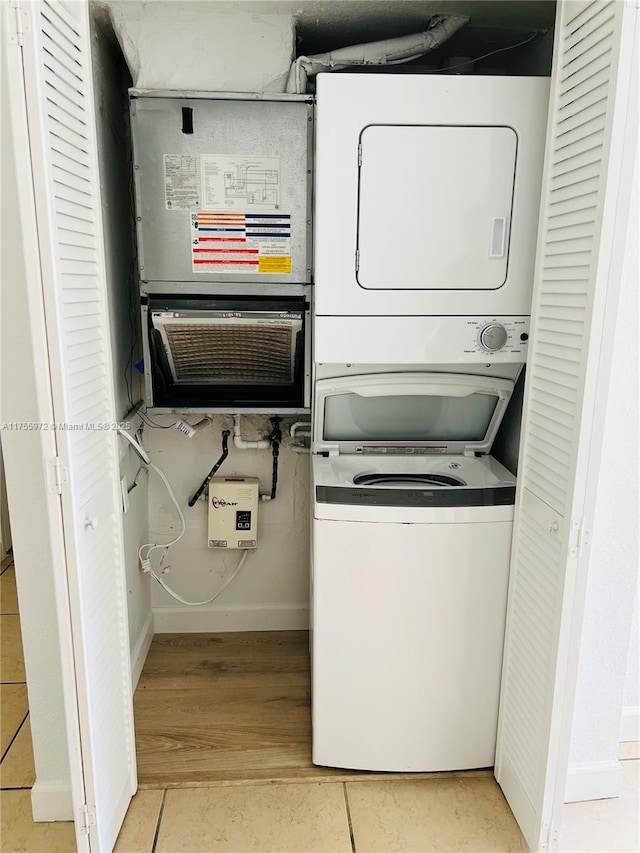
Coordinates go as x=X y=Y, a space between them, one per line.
x=243 y=444
x=304 y=426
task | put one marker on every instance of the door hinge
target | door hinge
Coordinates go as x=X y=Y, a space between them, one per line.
x=86 y=819
x=578 y=538
x=550 y=835
x=18 y=24
x=357 y=260
x=57 y=476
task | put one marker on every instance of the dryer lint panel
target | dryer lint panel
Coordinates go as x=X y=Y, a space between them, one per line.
x=449 y=196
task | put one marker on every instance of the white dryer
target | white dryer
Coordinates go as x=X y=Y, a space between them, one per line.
x=427 y=192
x=411 y=540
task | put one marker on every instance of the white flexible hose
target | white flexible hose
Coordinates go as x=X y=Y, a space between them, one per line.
x=179 y=598
x=387 y=52
x=145 y=562
x=139 y=449
x=151 y=545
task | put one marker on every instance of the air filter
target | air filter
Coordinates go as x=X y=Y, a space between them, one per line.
x=211 y=348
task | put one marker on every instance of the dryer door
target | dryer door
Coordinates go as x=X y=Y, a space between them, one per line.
x=434 y=207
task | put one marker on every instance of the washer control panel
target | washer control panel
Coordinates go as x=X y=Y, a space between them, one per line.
x=493 y=337
x=497 y=335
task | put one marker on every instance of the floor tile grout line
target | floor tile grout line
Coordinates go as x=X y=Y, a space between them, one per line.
x=10 y=613
x=3 y=683
x=6 y=568
x=4 y=754
x=159 y=821
x=346 y=803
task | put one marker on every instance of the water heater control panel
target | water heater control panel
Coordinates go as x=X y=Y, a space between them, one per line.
x=233 y=512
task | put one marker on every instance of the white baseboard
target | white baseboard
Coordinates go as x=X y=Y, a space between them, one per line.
x=51 y=801
x=141 y=648
x=190 y=620
x=630 y=723
x=597 y=780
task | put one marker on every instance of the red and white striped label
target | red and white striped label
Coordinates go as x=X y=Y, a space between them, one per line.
x=240 y=243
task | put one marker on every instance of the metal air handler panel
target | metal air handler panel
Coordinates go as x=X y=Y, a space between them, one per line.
x=223 y=189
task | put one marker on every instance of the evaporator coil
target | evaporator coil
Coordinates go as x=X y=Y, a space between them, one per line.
x=209 y=349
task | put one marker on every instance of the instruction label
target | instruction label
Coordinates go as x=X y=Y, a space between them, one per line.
x=181 y=181
x=240 y=182
x=241 y=243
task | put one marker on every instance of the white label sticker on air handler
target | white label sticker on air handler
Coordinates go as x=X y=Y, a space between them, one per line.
x=241 y=243
x=181 y=181
x=240 y=182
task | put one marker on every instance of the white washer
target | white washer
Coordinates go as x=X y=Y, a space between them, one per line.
x=411 y=539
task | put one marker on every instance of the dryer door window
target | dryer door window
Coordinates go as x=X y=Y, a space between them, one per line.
x=434 y=207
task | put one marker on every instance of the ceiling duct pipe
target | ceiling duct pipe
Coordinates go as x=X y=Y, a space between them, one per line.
x=387 y=52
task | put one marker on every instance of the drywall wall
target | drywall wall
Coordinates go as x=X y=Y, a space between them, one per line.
x=111 y=80
x=271 y=592
x=204 y=46
x=23 y=375
x=217 y=46
x=613 y=572
x=630 y=722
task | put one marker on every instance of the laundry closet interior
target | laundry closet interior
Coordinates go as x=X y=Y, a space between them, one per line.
x=223 y=251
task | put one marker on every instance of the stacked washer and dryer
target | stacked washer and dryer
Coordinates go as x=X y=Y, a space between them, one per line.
x=427 y=196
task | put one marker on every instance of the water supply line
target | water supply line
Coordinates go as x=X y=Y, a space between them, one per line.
x=304 y=427
x=386 y=52
x=275 y=437
x=243 y=444
x=203 y=485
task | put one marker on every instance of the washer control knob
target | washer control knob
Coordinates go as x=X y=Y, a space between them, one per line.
x=493 y=337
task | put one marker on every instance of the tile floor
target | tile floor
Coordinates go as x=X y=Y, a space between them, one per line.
x=325 y=817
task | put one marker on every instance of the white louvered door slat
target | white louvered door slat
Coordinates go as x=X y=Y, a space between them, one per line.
x=587 y=164
x=59 y=100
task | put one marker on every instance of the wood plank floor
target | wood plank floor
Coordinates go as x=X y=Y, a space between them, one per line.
x=229 y=709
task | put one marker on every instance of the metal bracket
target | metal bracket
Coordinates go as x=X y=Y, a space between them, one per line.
x=86 y=819
x=575 y=538
x=19 y=23
x=57 y=476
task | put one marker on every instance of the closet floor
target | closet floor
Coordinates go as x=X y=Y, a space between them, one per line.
x=230 y=708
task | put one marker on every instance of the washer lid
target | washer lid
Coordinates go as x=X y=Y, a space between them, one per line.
x=408 y=413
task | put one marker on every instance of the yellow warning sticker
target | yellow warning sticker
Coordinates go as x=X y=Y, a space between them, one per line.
x=274 y=264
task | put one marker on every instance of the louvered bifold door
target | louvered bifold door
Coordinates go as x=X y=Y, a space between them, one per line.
x=60 y=109
x=583 y=191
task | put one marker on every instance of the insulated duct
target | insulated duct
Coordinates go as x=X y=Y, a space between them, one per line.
x=387 y=52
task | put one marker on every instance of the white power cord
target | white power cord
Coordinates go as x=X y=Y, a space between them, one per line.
x=145 y=561
x=172 y=592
